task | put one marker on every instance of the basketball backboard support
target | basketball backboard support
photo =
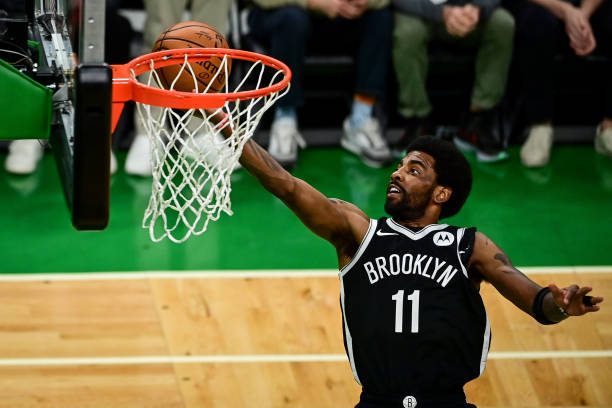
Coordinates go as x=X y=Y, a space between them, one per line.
x=71 y=34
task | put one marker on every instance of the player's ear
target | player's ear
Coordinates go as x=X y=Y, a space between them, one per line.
x=442 y=194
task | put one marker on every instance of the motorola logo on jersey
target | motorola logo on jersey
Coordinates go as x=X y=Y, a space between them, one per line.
x=443 y=238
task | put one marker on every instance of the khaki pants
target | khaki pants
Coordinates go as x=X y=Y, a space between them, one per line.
x=162 y=14
x=493 y=38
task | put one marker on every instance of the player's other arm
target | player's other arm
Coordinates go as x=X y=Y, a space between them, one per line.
x=494 y=266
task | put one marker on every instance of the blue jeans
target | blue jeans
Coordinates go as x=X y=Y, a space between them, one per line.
x=291 y=32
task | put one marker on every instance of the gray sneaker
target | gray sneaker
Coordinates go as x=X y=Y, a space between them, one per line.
x=367 y=142
x=284 y=141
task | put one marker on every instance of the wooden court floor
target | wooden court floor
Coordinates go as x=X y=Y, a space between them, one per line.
x=253 y=339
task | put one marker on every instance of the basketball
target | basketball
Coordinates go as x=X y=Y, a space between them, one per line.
x=193 y=34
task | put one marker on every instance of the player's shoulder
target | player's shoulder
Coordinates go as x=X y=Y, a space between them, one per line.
x=481 y=240
x=484 y=248
x=350 y=208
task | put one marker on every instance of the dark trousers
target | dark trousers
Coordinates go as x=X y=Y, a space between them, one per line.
x=539 y=37
x=291 y=32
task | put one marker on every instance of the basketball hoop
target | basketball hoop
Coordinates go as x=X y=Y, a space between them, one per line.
x=192 y=162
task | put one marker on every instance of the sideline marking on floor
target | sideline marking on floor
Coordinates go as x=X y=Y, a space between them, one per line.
x=272 y=358
x=256 y=273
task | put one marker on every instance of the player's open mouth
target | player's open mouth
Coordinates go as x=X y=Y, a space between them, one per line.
x=393 y=190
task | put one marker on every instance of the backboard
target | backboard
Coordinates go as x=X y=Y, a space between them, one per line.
x=65 y=40
x=87 y=176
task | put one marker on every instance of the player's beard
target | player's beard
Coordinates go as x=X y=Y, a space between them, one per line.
x=411 y=207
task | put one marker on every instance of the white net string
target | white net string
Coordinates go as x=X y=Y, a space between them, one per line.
x=192 y=162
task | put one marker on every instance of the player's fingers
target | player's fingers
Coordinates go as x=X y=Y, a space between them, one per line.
x=554 y=289
x=558 y=294
x=580 y=293
x=592 y=300
x=569 y=294
x=590 y=303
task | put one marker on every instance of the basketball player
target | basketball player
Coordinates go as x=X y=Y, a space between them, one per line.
x=415 y=327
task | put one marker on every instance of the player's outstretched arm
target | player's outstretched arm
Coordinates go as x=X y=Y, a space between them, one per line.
x=339 y=222
x=547 y=305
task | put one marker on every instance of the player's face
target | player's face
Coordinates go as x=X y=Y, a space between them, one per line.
x=411 y=187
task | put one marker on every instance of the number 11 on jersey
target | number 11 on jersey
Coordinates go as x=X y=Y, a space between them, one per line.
x=399 y=311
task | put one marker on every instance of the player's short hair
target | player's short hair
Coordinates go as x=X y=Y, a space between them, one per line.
x=452 y=170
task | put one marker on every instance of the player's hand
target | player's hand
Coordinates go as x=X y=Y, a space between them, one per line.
x=460 y=21
x=579 y=31
x=574 y=299
x=352 y=9
x=331 y=8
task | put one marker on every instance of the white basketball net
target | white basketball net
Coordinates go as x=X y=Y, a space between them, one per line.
x=192 y=162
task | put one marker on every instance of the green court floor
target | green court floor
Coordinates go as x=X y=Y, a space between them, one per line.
x=557 y=216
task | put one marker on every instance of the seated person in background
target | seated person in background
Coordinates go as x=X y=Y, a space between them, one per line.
x=544 y=28
x=479 y=24
x=162 y=14
x=288 y=28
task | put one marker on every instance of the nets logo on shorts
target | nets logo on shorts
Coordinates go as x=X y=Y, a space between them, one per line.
x=443 y=238
x=409 y=402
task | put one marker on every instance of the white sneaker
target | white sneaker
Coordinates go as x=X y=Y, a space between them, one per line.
x=284 y=141
x=603 y=140
x=23 y=156
x=202 y=148
x=113 y=163
x=367 y=142
x=535 y=152
x=138 y=160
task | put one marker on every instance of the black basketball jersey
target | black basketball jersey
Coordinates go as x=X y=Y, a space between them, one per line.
x=414 y=325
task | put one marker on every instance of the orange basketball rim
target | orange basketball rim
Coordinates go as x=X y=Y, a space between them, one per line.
x=127 y=88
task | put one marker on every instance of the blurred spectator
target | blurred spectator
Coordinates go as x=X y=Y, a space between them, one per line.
x=478 y=24
x=162 y=14
x=545 y=28
x=289 y=28
x=23 y=155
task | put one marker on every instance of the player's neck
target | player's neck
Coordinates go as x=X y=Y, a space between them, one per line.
x=431 y=216
x=421 y=222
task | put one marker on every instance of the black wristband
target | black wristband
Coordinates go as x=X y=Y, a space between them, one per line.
x=538 y=313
